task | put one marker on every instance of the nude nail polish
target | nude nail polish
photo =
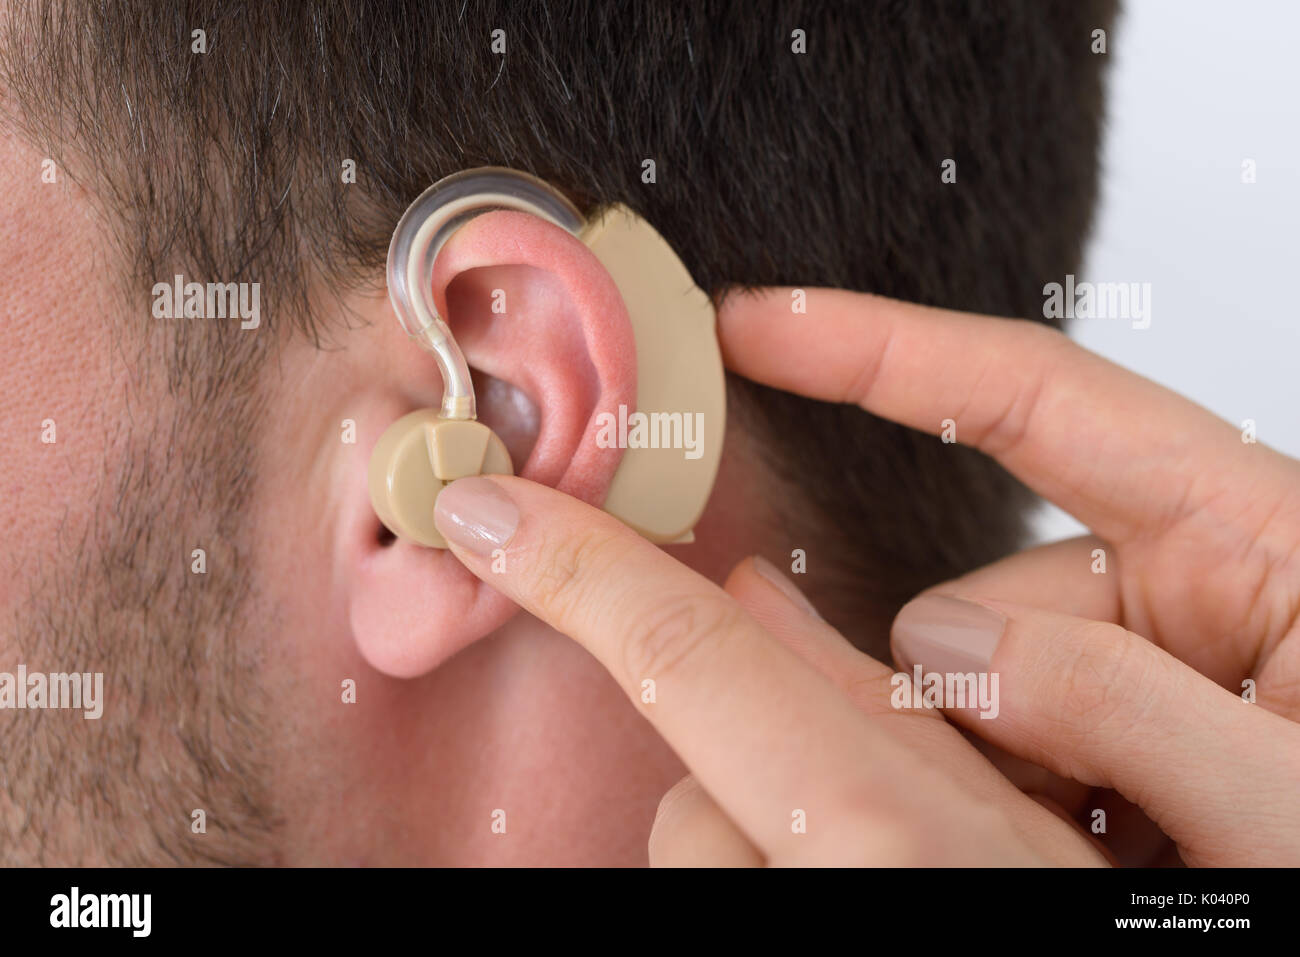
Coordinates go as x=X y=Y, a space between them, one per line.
x=948 y=635
x=476 y=515
x=784 y=585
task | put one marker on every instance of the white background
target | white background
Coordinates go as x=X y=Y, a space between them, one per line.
x=1195 y=88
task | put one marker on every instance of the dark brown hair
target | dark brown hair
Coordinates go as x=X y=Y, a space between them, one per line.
x=772 y=167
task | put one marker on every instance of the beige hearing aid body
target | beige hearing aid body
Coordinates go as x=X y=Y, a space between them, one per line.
x=659 y=492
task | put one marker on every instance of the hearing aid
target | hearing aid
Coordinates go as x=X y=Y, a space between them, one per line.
x=658 y=492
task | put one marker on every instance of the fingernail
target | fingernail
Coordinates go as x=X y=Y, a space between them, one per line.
x=947 y=635
x=784 y=585
x=476 y=515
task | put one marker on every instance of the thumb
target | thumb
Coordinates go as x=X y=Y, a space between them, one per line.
x=1095 y=702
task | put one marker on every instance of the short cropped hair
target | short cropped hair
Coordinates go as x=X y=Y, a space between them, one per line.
x=793 y=143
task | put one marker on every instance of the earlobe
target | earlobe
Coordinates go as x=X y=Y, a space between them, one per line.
x=531 y=306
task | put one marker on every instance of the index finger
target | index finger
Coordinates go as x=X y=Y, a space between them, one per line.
x=764 y=732
x=1120 y=453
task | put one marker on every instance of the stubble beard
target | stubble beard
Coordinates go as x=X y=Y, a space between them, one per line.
x=186 y=712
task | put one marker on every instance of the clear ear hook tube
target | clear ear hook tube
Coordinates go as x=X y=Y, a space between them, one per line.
x=421 y=233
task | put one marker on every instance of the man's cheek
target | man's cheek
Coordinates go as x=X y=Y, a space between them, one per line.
x=55 y=427
x=61 y=375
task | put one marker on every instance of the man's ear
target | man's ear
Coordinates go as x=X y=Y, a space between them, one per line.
x=532 y=308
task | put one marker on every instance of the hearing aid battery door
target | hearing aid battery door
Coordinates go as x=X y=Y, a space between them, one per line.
x=416 y=457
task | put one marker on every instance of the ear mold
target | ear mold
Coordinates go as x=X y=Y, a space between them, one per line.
x=416 y=457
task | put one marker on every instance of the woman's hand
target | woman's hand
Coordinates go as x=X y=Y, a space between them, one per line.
x=1101 y=672
x=798 y=755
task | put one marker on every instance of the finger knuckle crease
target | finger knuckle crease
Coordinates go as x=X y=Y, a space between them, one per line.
x=675 y=633
x=1099 y=676
x=558 y=579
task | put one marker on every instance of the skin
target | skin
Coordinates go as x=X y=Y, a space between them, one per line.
x=1109 y=680
x=525 y=719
